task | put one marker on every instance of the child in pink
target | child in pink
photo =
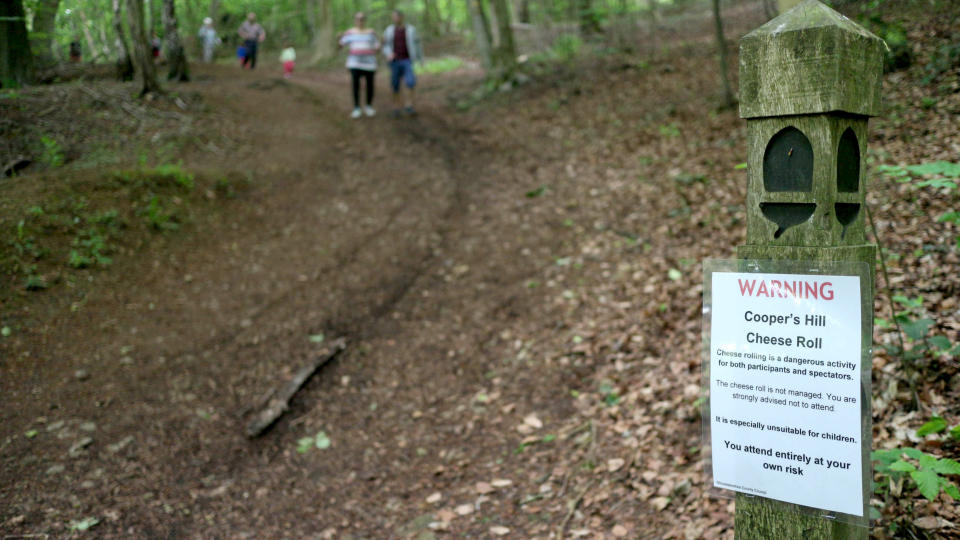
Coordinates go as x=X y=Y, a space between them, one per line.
x=288 y=57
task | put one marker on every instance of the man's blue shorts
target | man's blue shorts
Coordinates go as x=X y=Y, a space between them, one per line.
x=402 y=69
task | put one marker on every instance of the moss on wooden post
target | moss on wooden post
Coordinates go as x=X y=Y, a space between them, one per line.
x=809 y=79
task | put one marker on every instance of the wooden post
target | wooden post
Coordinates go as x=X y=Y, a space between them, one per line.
x=809 y=79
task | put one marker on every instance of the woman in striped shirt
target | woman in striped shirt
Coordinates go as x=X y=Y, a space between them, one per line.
x=362 y=46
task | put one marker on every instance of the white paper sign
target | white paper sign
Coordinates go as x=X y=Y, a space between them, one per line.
x=785 y=388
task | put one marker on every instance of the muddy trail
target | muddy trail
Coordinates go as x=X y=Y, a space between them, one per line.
x=388 y=232
x=518 y=286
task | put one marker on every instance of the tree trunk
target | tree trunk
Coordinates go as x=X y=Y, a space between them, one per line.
x=505 y=54
x=214 y=10
x=728 y=99
x=430 y=17
x=85 y=26
x=104 y=40
x=323 y=34
x=523 y=11
x=587 y=18
x=124 y=64
x=653 y=11
x=16 y=60
x=770 y=8
x=150 y=19
x=142 y=59
x=481 y=32
x=44 y=26
x=176 y=56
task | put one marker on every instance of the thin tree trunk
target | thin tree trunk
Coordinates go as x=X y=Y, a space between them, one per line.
x=653 y=11
x=142 y=59
x=505 y=54
x=44 y=26
x=104 y=40
x=481 y=32
x=214 y=10
x=16 y=60
x=430 y=17
x=323 y=35
x=124 y=64
x=728 y=99
x=176 y=56
x=770 y=8
x=587 y=18
x=523 y=11
x=150 y=19
x=85 y=26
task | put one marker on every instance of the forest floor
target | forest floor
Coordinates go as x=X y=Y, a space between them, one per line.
x=518 y=285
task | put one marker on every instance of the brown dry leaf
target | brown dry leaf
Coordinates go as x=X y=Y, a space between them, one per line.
x=659 y=503
x=932 y=523
x=615 y=464
x=446 y=515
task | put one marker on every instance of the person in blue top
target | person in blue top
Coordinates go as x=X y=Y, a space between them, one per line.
x=401 y=46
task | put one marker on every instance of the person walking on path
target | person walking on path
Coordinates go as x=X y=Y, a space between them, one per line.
x=401 y=46
x=288 y=56
x=252 y=35
x=208 y=39
x=362 y=46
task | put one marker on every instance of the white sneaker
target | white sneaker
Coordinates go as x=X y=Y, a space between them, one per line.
x=356 y=113
x=369 y=111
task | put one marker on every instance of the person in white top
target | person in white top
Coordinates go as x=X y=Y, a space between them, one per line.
x=362 y=46
x=208 y=38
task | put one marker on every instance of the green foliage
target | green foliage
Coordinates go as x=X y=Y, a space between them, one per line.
x=938 y=173
x=534 y=193
x=936 y=424
x=941 y=175
x=669 y=130
x=320 y=441
x=926 y=472
x=83 y=524
x=442 y=65
x=944 y=59
x=90 y=248
x=897 y=53
x=158 y=217
x=25 y=243
x=566 y=47
x=176 y=174
x=52 y=155
x=916 y=329
x=610 y=395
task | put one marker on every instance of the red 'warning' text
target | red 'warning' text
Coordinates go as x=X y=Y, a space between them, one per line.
x=776 y=288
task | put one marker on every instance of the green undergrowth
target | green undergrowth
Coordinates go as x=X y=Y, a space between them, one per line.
x=54 y=228
x=443 y=64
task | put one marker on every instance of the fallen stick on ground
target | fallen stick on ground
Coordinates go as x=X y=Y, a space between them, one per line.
x=279 y=402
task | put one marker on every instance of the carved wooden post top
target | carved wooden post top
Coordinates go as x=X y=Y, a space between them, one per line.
x=810 y=60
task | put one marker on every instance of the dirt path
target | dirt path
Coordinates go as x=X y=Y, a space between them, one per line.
x=390 y=232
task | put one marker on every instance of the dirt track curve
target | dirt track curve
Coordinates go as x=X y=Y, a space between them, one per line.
x=402 y=235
